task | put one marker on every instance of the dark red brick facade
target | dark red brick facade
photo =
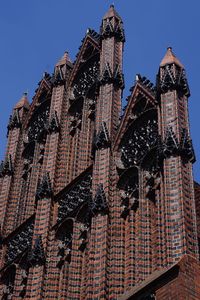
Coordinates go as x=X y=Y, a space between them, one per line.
x=96 y=204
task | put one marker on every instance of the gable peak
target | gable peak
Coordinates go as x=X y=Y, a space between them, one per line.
x=65 y=59
x=23 y=102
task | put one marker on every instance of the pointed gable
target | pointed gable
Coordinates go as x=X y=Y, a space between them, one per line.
x=90 y=47
x=142 y=97
x=42 y=94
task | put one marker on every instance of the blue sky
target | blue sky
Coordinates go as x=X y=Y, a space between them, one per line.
x=35 y=34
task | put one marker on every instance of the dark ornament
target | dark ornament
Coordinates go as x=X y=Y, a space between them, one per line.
x=37 y=129
x=109 y=77
x=6 y=167
x=186 y=147
x=86 y=79
x=43 y=96
x=41 y=153
x=53 y=125
x=28 y=154
x=118 y=77
x=14 y=121
x=58 y=77
x=106 y=76
x=182 y=83
x=170 y=145
x=129 y=183
x=37 y=255
x=119 y=32
x=99 y=203
x=145 y=83
x=129 y=189
x=153 y=160
x=44 y=189
x=72 y=199
x=93 y=34
x=167 y=81
x=20 y=242
x=1 y=168
x=75 y=123
x=26 y=168
x=24 y=281
x=83 y=238
x=171 y=78
x=64 y=234
x=28 y=151
x=135 y=205
x=152 y=183
x=140 y=137
x=102 y=140
x=46 y=77
x=64 y=253
x=160 y=147
x=8 y=280
x=75 y=114
x=149 y=297
x=91 y=109
x=125 y=212
x=109 y=31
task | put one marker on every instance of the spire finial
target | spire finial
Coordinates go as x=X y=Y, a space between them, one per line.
x=170 y=58
x=25 y=93
x=111 y=12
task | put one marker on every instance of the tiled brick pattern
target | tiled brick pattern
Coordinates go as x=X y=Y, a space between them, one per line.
x=112 y=238
x=197 y=202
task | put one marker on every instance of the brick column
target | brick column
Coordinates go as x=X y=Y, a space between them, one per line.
x=97 y=264
x=103 y=261
x=75 y=267
x=177 y=184
x=37 y=256
x=11 y=166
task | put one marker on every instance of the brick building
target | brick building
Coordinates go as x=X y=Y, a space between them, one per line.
x=95 y=203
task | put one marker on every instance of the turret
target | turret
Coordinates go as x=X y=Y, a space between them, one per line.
x=108 y=111
x=9 y=167
x=178 y=156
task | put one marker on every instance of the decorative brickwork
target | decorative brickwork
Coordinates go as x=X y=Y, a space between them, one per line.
x=96 y=203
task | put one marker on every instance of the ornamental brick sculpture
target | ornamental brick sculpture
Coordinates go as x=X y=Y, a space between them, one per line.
x=96 y=203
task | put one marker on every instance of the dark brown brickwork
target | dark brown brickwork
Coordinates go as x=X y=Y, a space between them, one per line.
x=96 y=204
x=181 y=281
x=197 y=202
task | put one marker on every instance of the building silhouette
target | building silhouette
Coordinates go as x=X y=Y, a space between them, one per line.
x=95 y=203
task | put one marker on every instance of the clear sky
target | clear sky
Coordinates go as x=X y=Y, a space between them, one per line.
x=34 y=35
